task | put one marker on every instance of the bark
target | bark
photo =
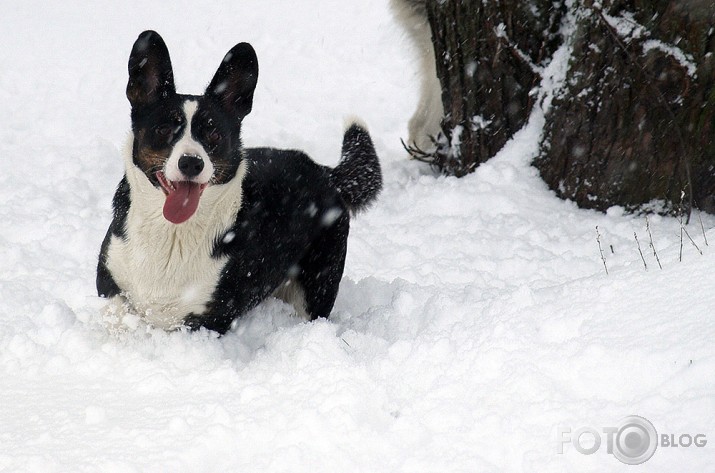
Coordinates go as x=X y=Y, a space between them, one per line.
x=635 y=121
x=487 y=55
x=635 y=124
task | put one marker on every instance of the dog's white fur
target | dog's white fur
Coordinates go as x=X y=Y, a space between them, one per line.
x=350 y=120
x=167 y=268
x=425 y=122
x=292 y=293
x=188 y=145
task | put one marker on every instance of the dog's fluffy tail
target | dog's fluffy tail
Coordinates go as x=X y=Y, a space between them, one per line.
x=357 y=176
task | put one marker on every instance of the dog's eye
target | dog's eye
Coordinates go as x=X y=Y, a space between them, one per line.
x=214 y=136
x=164 y=130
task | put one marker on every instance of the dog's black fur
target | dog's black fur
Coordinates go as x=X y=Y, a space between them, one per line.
x=293 y=221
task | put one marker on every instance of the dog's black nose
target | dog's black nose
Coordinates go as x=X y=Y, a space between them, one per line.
x=190 y=165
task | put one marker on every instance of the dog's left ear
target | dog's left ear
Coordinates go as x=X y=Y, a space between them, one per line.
x=235 y=80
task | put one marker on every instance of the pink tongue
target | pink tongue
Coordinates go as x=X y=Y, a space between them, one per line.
x=181 y=204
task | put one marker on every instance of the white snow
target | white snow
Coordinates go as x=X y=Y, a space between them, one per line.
x=625 y=25
x=685 y=60
x=628 y=28
x=474 y=319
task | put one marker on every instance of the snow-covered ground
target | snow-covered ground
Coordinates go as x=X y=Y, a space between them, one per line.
x=475 y=320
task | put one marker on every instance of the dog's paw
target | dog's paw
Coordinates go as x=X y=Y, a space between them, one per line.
x=118 y=317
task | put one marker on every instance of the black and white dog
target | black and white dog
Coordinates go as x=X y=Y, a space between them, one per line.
x=204 y=229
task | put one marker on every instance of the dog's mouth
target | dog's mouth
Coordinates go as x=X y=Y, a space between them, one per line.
x=182 y=198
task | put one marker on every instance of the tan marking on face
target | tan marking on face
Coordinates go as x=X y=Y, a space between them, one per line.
x=149 y=160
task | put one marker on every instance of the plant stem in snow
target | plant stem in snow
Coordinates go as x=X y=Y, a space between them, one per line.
x=693 y=242
x=652 y=246
x=639 y=251
x=702 y=227
x=600 y=249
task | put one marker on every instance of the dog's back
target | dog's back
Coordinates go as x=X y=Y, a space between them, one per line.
x=290 y=236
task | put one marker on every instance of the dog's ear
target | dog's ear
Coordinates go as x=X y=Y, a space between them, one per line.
x=150 y=76
x=235 y=80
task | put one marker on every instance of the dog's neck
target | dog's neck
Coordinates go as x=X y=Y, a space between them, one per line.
x=217 y=210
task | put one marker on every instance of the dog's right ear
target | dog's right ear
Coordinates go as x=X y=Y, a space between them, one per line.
x=150 y=75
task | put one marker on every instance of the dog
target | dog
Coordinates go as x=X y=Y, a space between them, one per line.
x=203 y=229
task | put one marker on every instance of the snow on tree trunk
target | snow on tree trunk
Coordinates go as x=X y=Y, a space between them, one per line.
x=488 y=56
x=635 y=121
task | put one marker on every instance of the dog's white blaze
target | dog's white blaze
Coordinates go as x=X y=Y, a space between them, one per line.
x=188 y=145
x=166 y=270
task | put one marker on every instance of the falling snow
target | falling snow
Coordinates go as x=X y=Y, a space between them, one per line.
x=474 y=317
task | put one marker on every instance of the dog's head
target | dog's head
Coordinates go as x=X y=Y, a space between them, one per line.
x=184 y=143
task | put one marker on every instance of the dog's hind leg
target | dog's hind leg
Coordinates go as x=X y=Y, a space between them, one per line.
x=321 y=270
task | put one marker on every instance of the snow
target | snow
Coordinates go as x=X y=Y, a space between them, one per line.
x=685 y=60
x=474 y=318
x=628 y=28
x=625 y=25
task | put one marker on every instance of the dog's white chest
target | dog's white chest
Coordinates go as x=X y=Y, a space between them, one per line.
x=167 y=271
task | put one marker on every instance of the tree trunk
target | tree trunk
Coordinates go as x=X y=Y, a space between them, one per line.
x=487 y=56
x=635 y=123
